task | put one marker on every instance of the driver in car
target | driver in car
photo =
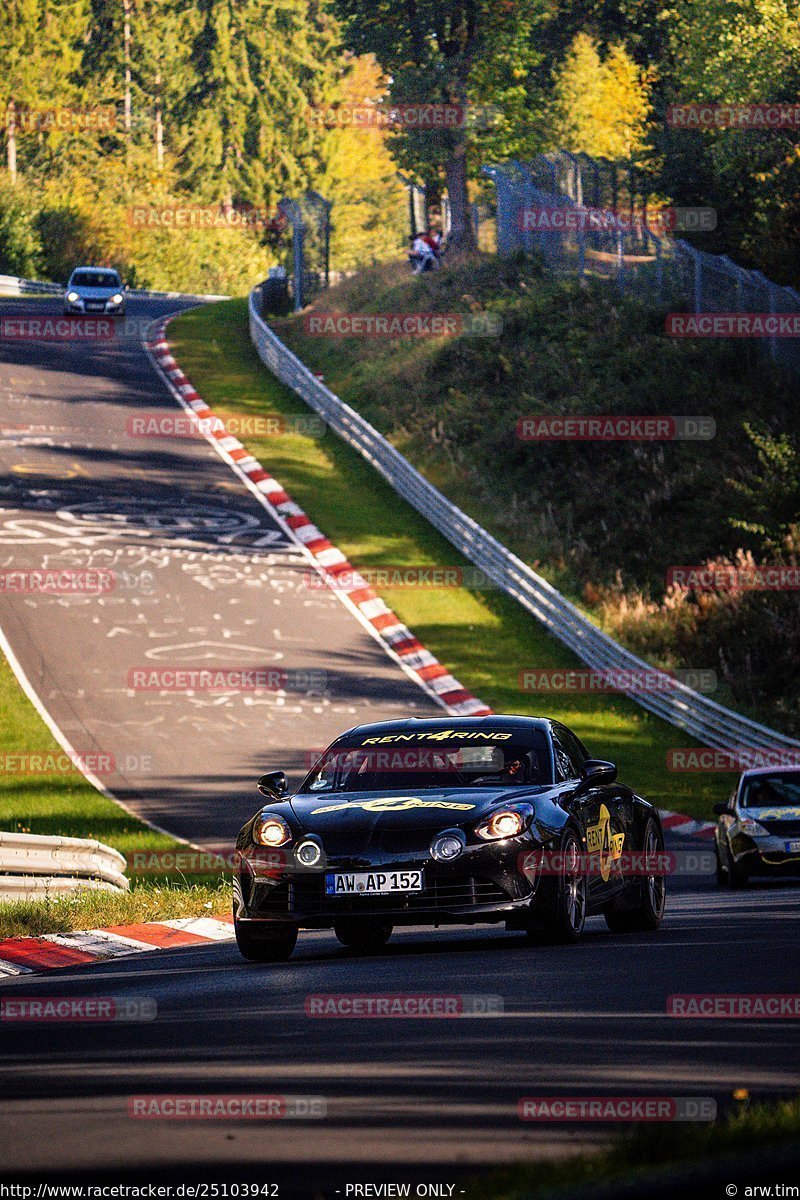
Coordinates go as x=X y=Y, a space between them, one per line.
x=512 y=771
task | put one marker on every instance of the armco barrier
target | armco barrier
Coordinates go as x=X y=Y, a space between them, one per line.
x=710 y=723
x=32 y=866
x=10 y=285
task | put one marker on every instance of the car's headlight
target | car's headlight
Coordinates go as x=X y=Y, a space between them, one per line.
x=308 y=854
x=271 y=830
x=72 y=297
x=448 y=845
x=752 y=828
x=116 y=299
x=505 y=823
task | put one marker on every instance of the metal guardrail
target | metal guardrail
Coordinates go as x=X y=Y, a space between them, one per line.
x=32 y=866
x=11 y=285
x=708 y=722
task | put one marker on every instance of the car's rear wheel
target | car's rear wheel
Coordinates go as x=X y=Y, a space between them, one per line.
x=564 y=916
x=264 y=942
x=648 y=912
x=367 y=937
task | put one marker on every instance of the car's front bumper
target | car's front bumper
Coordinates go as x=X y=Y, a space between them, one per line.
x=766 y=855
x=94 y=307
x=482 y=885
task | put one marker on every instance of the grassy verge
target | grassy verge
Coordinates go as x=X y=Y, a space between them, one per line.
x=65 y=804
x=484 y=637
x=92 y=910
x=641 y=1157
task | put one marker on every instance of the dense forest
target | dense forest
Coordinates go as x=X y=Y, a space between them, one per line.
x=111 y=107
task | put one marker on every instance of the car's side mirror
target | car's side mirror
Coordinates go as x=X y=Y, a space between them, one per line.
x=273 y=785
x=595 y=773
x=126 y=288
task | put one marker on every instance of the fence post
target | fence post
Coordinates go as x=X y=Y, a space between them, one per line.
x=292 y=210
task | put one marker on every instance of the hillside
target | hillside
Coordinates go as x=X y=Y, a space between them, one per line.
x=604 y=521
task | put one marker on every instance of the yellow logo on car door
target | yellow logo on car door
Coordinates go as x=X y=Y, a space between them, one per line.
x=605 y=844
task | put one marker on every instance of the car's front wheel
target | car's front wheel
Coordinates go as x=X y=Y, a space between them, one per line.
x=367 y=937
x=722 y=878
x=737 y=875
x=264 y=942
x=564 y=916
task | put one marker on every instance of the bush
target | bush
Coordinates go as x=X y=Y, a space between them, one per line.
x=20 y=243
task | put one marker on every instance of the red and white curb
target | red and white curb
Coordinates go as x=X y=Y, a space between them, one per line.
x=683 y=826
x=397 y=639
x=26 y=955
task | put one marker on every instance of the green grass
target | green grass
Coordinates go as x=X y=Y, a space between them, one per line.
x=65 y=804
x=640 y=1157
x=93 y=910
x=484 y=637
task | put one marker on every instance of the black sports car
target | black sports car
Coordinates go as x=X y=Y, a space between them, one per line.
x=758 y=832
x=447 y=820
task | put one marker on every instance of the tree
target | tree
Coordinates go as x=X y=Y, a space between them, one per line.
x=452 y=53
x=360 y=175
x=259 y=66
x=770 y=492
x=738 y=52
x=600 y=106
x=18 y=25
x=162 y=34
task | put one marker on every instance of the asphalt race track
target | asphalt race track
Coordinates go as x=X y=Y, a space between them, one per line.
x=587 y=1020
x=428 y=1094
x=204 y=578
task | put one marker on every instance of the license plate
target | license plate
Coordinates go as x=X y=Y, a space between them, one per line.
x=373 y=883
x=793 y=847
x=95 y=307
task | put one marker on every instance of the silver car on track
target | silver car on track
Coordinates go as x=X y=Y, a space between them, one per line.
x=758 y=832
x=95 y=290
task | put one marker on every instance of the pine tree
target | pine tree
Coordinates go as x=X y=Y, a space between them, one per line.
x=260 y=67
x=20 y=22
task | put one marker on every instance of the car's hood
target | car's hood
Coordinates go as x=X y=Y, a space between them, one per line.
x=403 y=810
x=778 y=818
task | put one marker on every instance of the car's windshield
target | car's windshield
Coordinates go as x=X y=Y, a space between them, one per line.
x=96 y=279
x=781 y=790
x=399 y=765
